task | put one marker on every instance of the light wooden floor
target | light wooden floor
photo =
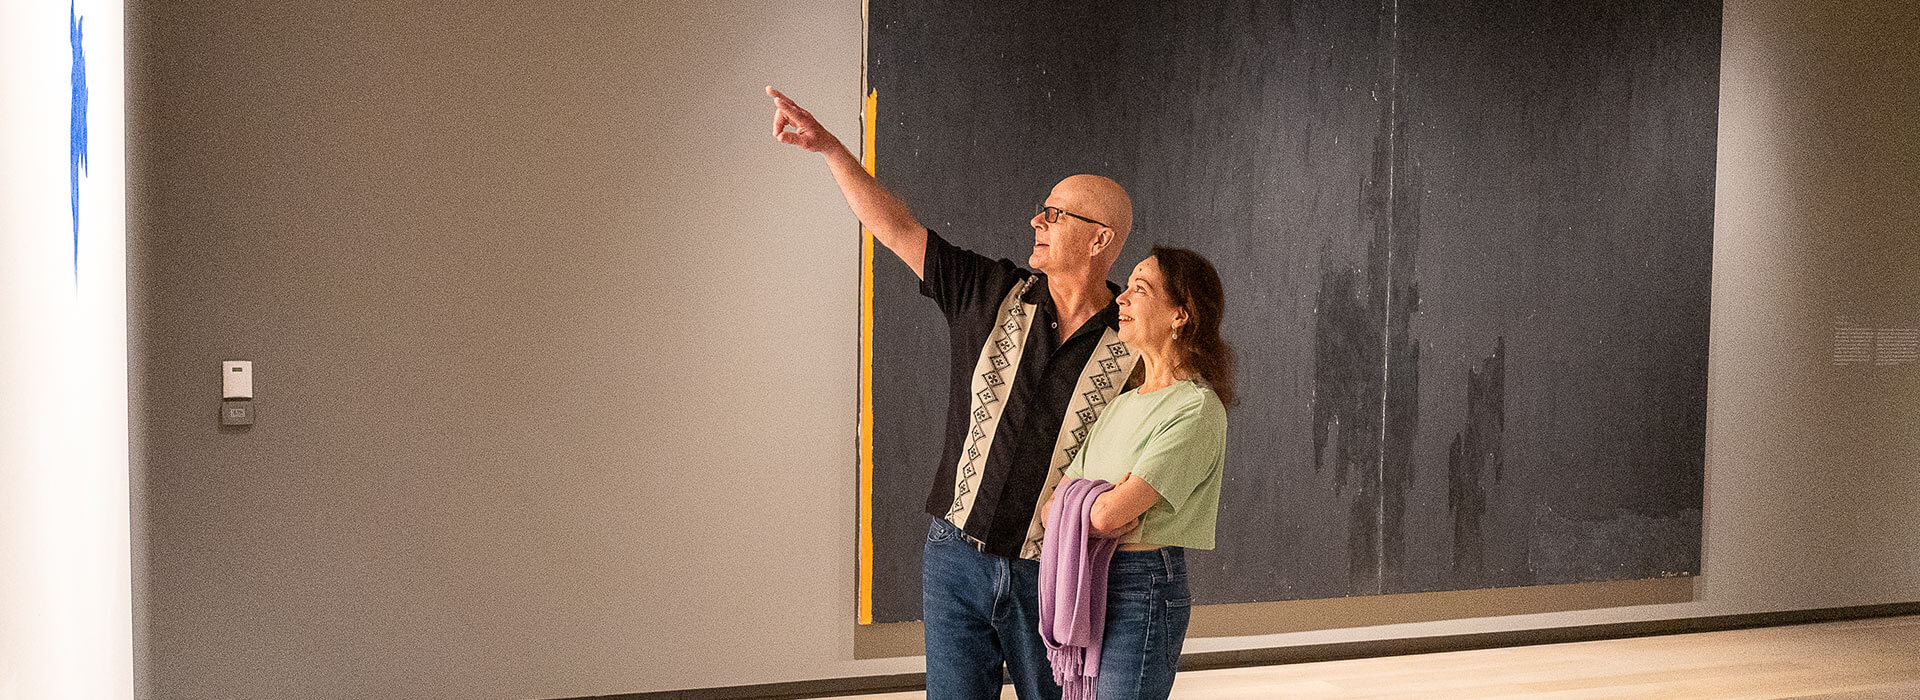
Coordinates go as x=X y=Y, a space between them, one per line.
x=1877 y=659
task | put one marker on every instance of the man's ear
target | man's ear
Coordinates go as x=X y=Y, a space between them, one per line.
x=1102 y=239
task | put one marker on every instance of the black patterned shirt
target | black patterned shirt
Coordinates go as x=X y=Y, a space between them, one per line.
x=1013 y=383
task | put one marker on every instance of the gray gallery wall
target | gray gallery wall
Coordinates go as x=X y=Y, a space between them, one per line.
x=556 y=348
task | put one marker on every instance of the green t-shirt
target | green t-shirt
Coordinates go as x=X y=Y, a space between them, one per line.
x=1176 y=439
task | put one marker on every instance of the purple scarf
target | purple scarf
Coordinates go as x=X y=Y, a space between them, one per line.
x=1073 y=587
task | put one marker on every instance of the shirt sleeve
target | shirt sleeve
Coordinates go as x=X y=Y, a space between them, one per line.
x=1077 y=469
x=962 y=281
x=1185 y=451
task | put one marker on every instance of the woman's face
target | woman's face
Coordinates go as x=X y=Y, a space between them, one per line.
x=1147 y=316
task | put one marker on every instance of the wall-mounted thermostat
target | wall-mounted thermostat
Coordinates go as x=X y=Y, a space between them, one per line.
x=236 y=379
x=236 y=392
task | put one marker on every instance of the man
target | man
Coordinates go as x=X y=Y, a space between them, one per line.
x=1035 y=357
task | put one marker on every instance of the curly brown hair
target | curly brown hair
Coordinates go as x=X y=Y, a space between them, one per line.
x=1192 y=283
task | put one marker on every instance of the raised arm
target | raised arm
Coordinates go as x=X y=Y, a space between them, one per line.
x=881 y=212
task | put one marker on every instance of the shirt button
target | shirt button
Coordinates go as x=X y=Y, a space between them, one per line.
x=1055 y=324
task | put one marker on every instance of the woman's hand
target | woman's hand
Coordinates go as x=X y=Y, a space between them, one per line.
x=1124 y=530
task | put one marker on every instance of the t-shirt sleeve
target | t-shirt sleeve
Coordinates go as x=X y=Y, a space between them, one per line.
x=1076 y=469
x=962 y=281
x=1185 y=451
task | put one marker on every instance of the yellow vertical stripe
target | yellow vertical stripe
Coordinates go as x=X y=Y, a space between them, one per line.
x=866 y=383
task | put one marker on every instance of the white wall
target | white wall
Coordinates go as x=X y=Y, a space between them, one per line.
x=556 y=346
x=65 y=595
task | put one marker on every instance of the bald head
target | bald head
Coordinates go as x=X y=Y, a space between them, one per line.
x=1086 y=239
x=1099 y=198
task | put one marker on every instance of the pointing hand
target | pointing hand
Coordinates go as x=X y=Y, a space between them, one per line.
x=807 y=132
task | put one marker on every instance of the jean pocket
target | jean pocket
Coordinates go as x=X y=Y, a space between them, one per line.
x=1173 y=588
x=1174 y=615
x=940 y=531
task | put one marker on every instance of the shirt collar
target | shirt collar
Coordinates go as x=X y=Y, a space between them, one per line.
x=1108 y=317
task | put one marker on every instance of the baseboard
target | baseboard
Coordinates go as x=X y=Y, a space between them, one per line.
x=863 y=685
x=900 y=639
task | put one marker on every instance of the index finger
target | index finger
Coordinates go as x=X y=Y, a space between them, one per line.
x=794 y=115
x=783 y=101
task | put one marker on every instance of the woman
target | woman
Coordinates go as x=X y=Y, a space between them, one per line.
x=1164 y=444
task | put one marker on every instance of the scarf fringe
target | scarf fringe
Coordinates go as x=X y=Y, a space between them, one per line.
x=1078 y=689
x=1067 y=664
x=1070 y=673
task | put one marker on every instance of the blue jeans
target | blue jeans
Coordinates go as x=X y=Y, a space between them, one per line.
x=1148 y=606
x=981 y=611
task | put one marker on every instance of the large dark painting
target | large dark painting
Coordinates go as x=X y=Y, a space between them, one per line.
x=1467 y=248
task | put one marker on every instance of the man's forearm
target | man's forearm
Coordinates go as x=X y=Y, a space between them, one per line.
x=882 y=213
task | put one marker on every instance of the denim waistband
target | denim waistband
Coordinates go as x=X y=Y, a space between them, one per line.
x=1171 y=561
x=956 y=533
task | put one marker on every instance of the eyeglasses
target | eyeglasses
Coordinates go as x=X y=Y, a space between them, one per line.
x=1053 y=215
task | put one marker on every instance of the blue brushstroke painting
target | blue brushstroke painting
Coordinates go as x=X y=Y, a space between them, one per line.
x=78 y=136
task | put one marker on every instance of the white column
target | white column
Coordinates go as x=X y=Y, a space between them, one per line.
x=65 y=581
